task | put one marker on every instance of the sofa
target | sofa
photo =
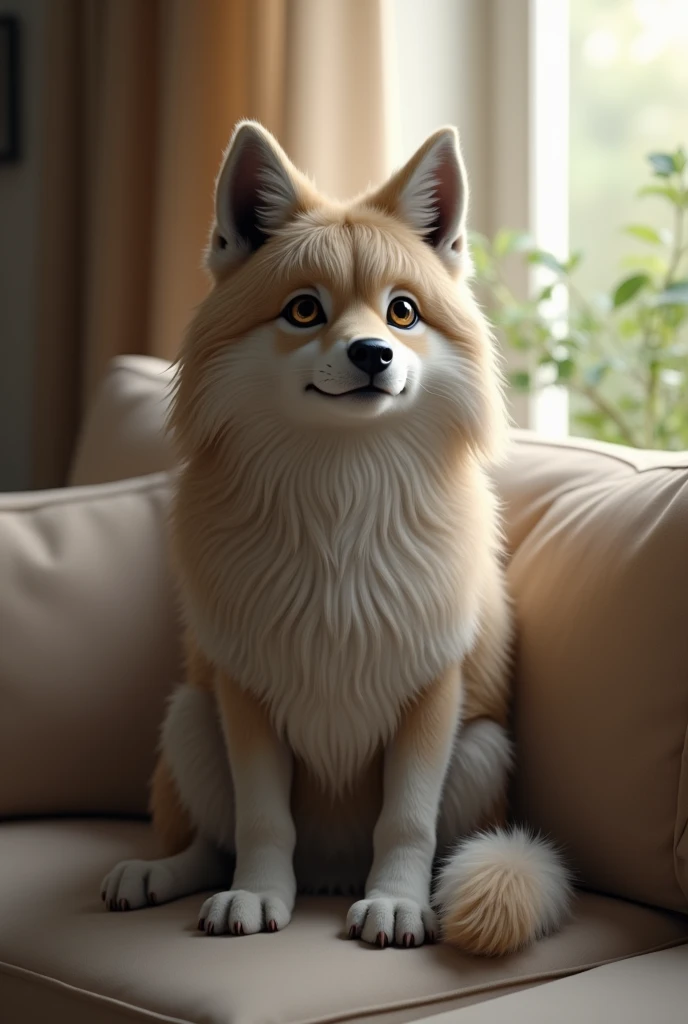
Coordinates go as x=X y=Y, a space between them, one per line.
x=597 y=541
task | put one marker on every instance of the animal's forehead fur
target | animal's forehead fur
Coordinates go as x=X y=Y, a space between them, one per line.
x=355 y=253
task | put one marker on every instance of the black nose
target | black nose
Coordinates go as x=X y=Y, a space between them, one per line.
x=370 y=355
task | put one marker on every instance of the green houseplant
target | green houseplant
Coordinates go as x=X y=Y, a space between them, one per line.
x=622 y=355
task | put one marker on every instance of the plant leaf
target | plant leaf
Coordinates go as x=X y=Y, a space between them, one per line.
x=594 y=374
x=545 y=293
x=650 y=262
x=565 y=369
x=679 y=159
x=644 y=233
x=546 y=259
x=573 y=261
x=507 y=240
x=675 y=294
x=520 y=379
x=629 y=287
x=665 y=192
x=662 y=164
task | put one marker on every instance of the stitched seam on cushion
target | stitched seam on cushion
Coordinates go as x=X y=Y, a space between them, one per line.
x=494 y=986
x=96 y=492
x=44 y=979
x=579 y=487
x=539 y=442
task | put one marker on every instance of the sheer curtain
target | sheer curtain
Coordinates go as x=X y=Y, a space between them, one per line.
x=141 y=96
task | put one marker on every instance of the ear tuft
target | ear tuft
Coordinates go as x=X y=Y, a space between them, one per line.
x=256 y=193
x=430 y=194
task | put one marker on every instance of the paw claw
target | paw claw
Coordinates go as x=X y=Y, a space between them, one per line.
x=103 y=895
x=201 y=925
x=388 y=920
x=152 y=899
x=124 y=904
x=240 y=912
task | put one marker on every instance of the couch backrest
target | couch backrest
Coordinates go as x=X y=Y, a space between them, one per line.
x=599 y=572
x=598 y=537
x=88 y=646
x=124 y=434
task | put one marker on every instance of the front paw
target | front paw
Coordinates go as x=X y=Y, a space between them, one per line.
x=137 y=883
x=386 y=919
x=238 y=912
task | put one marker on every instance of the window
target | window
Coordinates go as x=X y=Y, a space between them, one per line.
x=629 y=97
x=558 y=103
x=610 y=85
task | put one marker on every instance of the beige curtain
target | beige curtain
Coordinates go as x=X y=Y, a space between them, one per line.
x=140 y=99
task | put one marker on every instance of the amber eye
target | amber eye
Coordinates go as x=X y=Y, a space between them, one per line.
x=402 y=312
x=304 y=311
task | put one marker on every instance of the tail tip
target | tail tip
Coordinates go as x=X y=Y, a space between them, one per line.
x=502 y=890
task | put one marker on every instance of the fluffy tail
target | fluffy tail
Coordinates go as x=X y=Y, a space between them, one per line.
x=501 y=890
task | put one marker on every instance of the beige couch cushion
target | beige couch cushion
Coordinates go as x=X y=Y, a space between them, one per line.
x=88 y=646
x=124 y=431
x=653 y=988
x=64 y=959
x=599 y=572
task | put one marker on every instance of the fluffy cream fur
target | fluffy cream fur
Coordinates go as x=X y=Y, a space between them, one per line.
x=500 y=890
x=339 y=560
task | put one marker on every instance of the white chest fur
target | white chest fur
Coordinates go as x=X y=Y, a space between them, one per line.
x=337 y=583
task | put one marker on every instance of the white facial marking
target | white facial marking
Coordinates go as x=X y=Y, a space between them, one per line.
x=321 y=383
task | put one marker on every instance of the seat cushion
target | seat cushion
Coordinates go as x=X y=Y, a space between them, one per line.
x=598 y=538
x=63 y=958
x=653 y=987
x=88 y=646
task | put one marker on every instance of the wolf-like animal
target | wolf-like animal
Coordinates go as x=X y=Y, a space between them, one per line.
x=343 y=723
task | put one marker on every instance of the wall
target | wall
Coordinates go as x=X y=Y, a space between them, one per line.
x=19 y=238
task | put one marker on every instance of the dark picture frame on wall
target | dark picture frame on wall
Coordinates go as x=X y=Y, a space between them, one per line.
x=9 y=88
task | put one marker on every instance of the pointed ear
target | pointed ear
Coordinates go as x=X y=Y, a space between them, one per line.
x=430 y=194
x=257 y=191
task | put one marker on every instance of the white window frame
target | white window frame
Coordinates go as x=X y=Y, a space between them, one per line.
x=530 y=147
